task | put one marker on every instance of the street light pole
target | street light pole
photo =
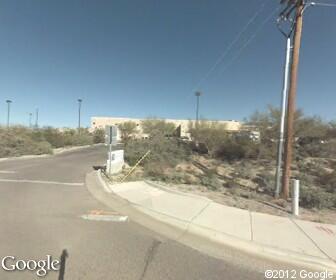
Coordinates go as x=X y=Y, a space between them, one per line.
x=197 y=94
x=79 y=114
x=36 y=117
x=30 y=120
x=8 y=111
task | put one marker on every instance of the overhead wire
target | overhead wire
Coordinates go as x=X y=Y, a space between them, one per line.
x=323 y=4
x=228 y=49
x=252 y=37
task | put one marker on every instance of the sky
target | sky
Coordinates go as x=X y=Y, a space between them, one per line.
x=146 y=58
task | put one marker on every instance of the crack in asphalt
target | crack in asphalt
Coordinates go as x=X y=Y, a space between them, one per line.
x=150 y=256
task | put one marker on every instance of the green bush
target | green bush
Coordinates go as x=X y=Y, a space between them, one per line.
x=316 y=198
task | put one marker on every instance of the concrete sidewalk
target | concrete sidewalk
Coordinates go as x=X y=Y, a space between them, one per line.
x=297 y=241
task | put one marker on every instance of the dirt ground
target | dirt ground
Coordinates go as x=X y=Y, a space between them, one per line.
x=247 y=184
x=315 y=215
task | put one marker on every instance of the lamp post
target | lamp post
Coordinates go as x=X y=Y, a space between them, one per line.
x=197 y=94
x=79 y=114
x=8 y=111
x=30 y=120
x=36 y=118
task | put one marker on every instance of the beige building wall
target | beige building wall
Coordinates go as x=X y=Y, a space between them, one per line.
x=102 y=122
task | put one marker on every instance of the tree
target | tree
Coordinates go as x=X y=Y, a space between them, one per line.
x=209 y=133
x=127 y=130
x=155 y=127
x=99 y=136
x=307 y=131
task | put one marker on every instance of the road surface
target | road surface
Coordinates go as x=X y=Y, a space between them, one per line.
x=41 y=204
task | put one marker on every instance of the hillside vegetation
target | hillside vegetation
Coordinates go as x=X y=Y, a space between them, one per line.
x=19 y=140
x=225 y=163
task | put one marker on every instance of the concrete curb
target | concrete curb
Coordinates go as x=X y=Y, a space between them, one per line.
x=56 y=151
x=204 y=239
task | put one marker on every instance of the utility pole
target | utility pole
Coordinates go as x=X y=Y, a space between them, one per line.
x=79 y=114
x=197 y=94
x=299 y=7
x=36 y=117
x=282 y=119
x=8 y=111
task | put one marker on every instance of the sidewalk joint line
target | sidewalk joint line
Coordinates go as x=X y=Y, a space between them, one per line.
x=185 y=231
x=200 y=212
x=312 y=240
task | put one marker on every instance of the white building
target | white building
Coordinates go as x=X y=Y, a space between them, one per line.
x=102 y=122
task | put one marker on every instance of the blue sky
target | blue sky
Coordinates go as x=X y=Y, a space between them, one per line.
x=144 y=58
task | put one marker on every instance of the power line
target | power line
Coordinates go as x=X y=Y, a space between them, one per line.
x=228 y=49
x=323 y=4
x=241 y=49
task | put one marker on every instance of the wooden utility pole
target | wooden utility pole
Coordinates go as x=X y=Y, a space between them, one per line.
x=291 y=100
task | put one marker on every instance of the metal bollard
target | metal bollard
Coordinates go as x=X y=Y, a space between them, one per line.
x=295 y=197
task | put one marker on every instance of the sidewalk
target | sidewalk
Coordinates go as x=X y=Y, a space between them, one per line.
x=297 y=241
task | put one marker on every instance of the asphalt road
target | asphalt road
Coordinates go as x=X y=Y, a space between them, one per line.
x=41 y=203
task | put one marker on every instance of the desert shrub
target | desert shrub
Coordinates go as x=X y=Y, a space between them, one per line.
x=68 y=137
x=232 y=184
x=245 y=170
x=306 y=179
x=232 y=149
x=81 y=140
x=154 y=171
x=314 y=136
x=98 y=136
x=328 y=181
x=156 y=127
x=176 y=177
x=316 y=198
x=165 y=153
x=127 y=130
x=54 y=137
x=266 y=181
x=220 y=144
x=209 y=134
x=211 y=182
x=19 y=141
x=327 y=149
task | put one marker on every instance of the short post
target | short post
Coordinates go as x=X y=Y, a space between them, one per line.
x=295 y=197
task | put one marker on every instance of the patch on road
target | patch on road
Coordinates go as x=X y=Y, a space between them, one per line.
x=107 y=216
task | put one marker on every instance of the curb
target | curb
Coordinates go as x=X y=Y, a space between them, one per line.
x=203 y=239
x=56 y=151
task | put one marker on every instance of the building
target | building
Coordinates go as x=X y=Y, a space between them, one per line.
x=102 y=122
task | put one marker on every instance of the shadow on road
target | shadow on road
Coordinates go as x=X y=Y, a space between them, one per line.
x=64 y=255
